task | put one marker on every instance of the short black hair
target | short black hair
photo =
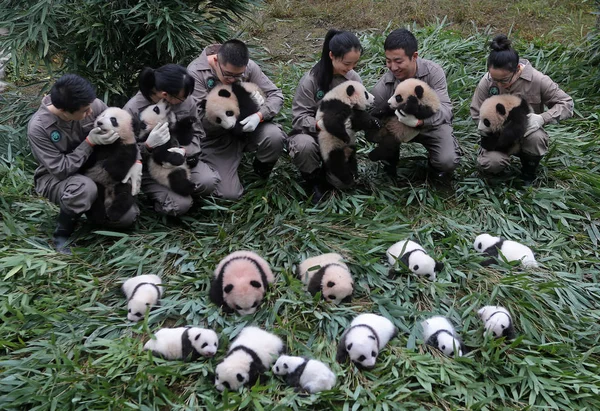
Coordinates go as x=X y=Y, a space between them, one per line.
x=401 y=39
x=171 y=78
x=234 y=52
x=71 y=93
x=502 y=55
x=339 y=43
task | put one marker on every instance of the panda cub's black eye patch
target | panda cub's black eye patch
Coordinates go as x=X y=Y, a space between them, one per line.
x=255 y=284
x=228 y=288
x=486 y=122
x=156 y=110
x=255 y=304
x=373 y=354
x=239 y=377
x=218 y=120
x=237 y=307
x=416 y=267
x=479 y=246
x=229 y=113
x=362 y=358
x=226 y=385
x=196 y=339
x=114 y=122
x=204 y=345
x=331 y=297
x=398 y=99
x=330 y=284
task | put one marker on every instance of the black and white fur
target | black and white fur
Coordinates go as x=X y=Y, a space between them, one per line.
x=143 y=292
x=183 y=343
x=329 y=275
x=498 y=321
x=305 y=374
x=169 y=168
x=511 y=250
x=503 y=122
x=241 y=281
x=343 y=111
x=108 y=165
x=413 y=256
x=251 y=354
x=438 y=332
x=367 y=335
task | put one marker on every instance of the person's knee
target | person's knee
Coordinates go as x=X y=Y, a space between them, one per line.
x=535 y=144
x=445 y=162
x=271 y=147
x=79 y=194
x=492 y=164
x=205 y=179
x=304 y=152
x=173 y=204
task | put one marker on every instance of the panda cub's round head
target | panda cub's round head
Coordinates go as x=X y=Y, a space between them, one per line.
x=352 y=93
x=221 y=107
x=422 y=263
x=494 y=113
x=120 y=121
x=484 y=241
x=204 y=341
x=415 y=97
x=152 y=115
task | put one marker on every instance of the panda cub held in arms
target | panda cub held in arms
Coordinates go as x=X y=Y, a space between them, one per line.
x=241 y=281
x=497 y=321
x=183 y=343
x=343 y=111
x=413 y=256
x=226 y=105
x=305 y=374
x=329 y=275
x=108 y=165
x=143 y=292
x=167 y=163
x=367 y=335
x=438 y=332
x=250 y=355
x=511 y=250
x=502 y=123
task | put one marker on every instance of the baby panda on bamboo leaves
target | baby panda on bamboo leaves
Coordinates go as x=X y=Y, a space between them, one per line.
x=329 y=275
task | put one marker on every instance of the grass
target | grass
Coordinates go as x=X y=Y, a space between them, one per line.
x=65 y=342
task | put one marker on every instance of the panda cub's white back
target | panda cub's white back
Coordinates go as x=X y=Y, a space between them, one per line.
x=511 y=250
x=310 y=375
x=439 y=332
x=183 y=342
x=414 y=257
x=142 y=292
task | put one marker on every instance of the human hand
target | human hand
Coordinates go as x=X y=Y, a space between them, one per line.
x=250 y=123
x=99 y=137
x=159 y=135
x=407 y=119
x=135 y=176
x=534 y=122
x=257 y=98
x=178 y=150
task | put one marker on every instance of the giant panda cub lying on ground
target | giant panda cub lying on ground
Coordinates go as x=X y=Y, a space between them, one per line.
x=108 y=165
x=305 y=374
x=143 y=292
x=167 y=164
x=438 y=332
x=329 y=275
x=503 y=122
x=343 y=112
x=183 y=343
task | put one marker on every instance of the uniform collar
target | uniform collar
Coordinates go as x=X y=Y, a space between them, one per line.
x=47 y=117
x=203 y=59
x=527 y=73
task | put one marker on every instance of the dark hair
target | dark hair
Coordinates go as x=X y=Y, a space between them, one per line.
x=71 y=93
x=171 y=78
x=339 y=43
x=233 y=52
x=502 y=55
x=401 y=39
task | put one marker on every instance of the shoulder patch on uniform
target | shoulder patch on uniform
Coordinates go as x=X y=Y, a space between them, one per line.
x=320 y=94
x=493 y=91
x=210 y=82
x=55 y=136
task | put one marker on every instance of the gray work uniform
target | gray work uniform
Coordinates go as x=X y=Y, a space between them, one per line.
x=538 y=90
x=223 y=151
x=60 y=148
x=303 y=140
x=203 y=176
x=436 y=133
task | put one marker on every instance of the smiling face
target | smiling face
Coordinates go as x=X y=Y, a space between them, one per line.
x=342 y=65
x=401 y=65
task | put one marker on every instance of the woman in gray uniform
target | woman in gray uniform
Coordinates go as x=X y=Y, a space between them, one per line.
x=341 y=52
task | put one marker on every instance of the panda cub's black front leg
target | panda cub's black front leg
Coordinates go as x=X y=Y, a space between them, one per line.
x=362 y=120
x=162 y=155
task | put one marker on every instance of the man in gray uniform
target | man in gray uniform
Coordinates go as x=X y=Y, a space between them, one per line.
x=435 y=133
x=228 y=63
x=62 y=137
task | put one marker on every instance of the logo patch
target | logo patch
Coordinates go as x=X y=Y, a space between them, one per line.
x=55 y=136
x=494 y=91
x=320 y=94
x=210 y=83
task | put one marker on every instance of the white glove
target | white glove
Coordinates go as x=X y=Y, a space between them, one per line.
x=257 y=98
x=407 y=119
x=135 y=175
x=178 y=150
x=159 y=135
x=250 y=123
x=534 y=122
x=99 y=137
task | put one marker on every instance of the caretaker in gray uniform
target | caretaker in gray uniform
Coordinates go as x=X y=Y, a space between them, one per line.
x=173 y=84
x=228 y=63
x=62 y=135
x=435 y=133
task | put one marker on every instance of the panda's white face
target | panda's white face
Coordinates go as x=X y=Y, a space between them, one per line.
x=484 y=241
x=205 y=342
x=222 y=109
x=497 y=324
x=337 y=284
x=136 y=309
x=232 y=373
x=447 y=343
x=118 y=120
x=243 y=289
x=281 y=366
x=155 y=113
x=492 y=116
x=422 y=264
x=362 y=348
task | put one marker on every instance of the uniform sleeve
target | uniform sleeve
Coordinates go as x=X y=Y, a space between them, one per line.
x=274 y=100
x=200 y=88
x=194 y=147
x=437 y=81
x=58 y=164
x=382 y=95
x=304 y=106
x=353 y=76
x=131 y=108
x=481 y=93
x=560 y=104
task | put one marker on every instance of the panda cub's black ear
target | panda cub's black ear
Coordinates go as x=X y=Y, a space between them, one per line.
x=202 y=105
x=136 y=125
x=350 y=90
x=419 y=91
x=224 y=93
x=439 y=266
x=500 y=109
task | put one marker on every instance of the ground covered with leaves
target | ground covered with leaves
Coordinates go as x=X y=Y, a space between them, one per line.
x=65 y=342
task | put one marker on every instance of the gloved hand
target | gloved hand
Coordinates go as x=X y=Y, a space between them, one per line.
x=97 y=136
x=179 y=150
x=407 y=119
x=257 y=98
x=135 y=175
x=534 y=122
x=250 y=123
x=159 y=135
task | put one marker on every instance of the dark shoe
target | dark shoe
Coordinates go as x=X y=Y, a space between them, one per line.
x=529 y=165
x=263 y=170
x=316 y=185
x=65 y=225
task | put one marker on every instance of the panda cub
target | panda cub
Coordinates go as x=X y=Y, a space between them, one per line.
x=306 y=374
x=503 y=122
x=438 y=332
x=241 y=281
x=226 y=105
x=142 y=292
x=367 y=335
x=167 y=164
x=251 y=354
x=510 y=250
x=414 y=257
x=108 y=165
x=183 y=343
x=497 y=320
x=343 y=111
x=329 y=275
